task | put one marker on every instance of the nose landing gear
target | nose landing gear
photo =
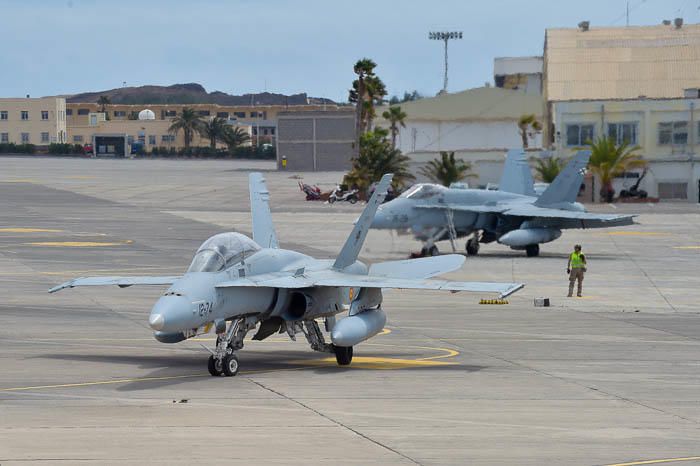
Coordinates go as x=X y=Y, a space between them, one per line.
x=223 y=360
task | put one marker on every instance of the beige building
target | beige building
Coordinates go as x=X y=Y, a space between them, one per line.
x=637 y=84
x=40 y=121
x=262 y=119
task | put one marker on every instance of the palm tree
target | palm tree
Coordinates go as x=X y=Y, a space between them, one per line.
x=547 y=168
x=363 y=89
x=446 y=169
x=395 y=116
x=103 y=101
x=188 y=122
x=376 y=91
x=528 y=126
x=376 y=157
x=215 y=130
x=235 y=136
x=609 y=160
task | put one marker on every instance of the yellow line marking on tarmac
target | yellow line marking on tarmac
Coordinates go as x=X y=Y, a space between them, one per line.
x=365 y=362
x=666 y=460
x=78 y=244
x=29 y=230
x=686 y=247
x=81 y=177
x=20 y=180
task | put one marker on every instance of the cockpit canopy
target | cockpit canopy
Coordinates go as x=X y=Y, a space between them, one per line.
x=423 y=191
x=222 y=251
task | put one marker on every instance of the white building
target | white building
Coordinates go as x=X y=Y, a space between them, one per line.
x=479 y=125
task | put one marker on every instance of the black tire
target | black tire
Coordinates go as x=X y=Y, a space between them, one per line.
x=230 y=365
x=343 y=355
x=472 y=247
x=532 y=250
x=433 y=251
x=352 y=200
x=331 y=200
x=215 y=367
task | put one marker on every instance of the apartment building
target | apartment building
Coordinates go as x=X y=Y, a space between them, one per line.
x=38 y=121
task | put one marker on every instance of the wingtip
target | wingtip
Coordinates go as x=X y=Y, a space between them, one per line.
x=511 y=290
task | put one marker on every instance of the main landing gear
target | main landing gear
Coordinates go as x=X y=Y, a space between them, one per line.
x=314 y=335
x=473 y=246
x=532 y=250
x=223 y=360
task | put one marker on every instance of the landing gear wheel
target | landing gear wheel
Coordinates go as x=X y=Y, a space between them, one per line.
x=433 y=251
x=532 y=250
x=215 y=367
x=472 y=247
x=230 y=365
x=343 y=354
x=352 y=200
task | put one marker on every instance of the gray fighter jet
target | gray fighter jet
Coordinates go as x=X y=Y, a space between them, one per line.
x=235 y=284
x=513 y=215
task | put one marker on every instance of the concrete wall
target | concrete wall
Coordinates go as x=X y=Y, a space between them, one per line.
x=54 y=126
x=315 y=141
x=668 y=163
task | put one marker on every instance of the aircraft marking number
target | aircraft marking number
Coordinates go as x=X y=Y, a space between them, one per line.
x=204 y=308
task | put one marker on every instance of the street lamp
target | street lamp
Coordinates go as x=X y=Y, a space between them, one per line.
x=446 y=37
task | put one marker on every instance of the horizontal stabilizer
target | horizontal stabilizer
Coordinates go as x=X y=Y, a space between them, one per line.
x=119 y=281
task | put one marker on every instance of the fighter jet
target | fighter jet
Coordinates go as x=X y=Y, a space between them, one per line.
x=513 y=215
x=235 y=284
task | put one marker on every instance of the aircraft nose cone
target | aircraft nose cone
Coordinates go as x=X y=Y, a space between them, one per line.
x=156 y=321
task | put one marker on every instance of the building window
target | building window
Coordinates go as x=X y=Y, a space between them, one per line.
x=120 y=114
x=69 y=111
x=239 y=114
x=673 y=190
x=167 y=138
x=24 y=115
x=255 y=114
x=25 y=138
x=579 y=135
x=673 y=132
x=170 y=113
x=44 y=114
x=4 y=137
x=272 y=131
x=203 y=113
x=78 y=138
x=83 y=111
x=222 y=115
x=3 y=115
x=255 y=131
x=44 y=137
x=623 y=133
x=152 y=139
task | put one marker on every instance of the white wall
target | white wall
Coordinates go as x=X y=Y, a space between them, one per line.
x=436 y=136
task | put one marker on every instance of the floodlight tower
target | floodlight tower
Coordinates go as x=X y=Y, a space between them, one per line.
x=446 y=37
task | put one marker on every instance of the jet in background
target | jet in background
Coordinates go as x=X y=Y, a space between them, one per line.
x=235 y=284
x=514 y=215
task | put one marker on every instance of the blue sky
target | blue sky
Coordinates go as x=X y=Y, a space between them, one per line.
x=239 y=46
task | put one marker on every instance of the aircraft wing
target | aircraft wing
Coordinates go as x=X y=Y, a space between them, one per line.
x=121 y=282
x=339 y=279
x=579 y=219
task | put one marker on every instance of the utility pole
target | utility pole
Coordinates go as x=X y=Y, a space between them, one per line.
x=445 y=37
x=627 y=12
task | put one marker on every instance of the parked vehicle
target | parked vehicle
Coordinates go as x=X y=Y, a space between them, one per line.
x=313 y=193
x=341 y=193
x=88 y=150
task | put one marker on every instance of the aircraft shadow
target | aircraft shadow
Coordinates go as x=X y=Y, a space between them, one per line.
x=182 y=369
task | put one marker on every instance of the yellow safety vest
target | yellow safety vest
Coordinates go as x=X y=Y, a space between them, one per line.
x=576 y=260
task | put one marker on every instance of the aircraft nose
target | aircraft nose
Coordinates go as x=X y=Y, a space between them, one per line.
x=156 y=321
x=171 y=313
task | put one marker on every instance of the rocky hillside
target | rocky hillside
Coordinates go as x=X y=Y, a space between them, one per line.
x=192 y=93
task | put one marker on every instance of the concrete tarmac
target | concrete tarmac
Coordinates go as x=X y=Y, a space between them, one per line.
x=611 y=378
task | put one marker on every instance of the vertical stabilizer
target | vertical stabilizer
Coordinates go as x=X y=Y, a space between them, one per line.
x=263 y=228
x=517 y=177
x=353 y=245
x=567 y=184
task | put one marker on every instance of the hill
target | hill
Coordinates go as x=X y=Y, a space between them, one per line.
x=192 y=93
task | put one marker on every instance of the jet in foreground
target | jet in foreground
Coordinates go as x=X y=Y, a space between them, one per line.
x=514 y=215
x=236 y=284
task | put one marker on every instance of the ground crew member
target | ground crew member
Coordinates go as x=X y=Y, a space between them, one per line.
x=576 y=267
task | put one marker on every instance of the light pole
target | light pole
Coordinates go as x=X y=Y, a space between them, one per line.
x=446 y=37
